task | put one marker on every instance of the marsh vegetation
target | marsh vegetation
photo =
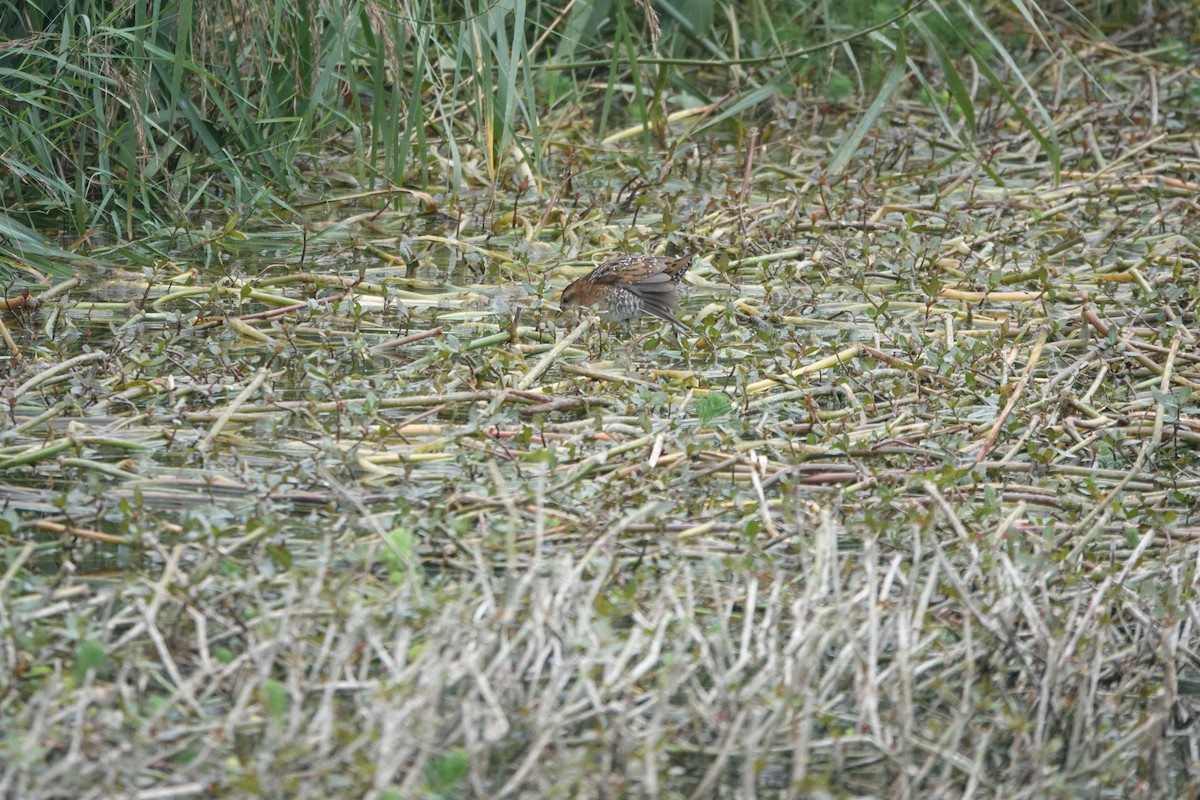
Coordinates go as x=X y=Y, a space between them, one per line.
x=309 y=490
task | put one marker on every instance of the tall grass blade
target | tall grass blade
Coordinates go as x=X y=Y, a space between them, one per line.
x=841 y=156
x=954 y=82
x=26 y=245
x=1047 y=140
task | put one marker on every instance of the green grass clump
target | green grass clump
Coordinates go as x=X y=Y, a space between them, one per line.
x=132 y=119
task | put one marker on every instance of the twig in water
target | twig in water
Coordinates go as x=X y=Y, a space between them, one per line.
x=226 y=415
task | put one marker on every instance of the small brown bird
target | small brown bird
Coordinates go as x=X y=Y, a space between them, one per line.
x=627 y=287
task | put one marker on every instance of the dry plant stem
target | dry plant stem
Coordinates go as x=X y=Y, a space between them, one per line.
x=57 y=289
x=412 y=337
x=365 y=513
x=47 y=374
x=250 y=332
x=731 y=733
x=991 y=297
x=559 y=404
x=763 y=505
x=414 y=401
x=997 y=627
x=562 y=15
x=548 y=360
x=9 y=343
x=1034 y=358
x=14 y=567
x=8 y=647
x=1092 y=317
x=586 y=466
x=924 y=372
x=207 y=442
x=82 y=533
x=816 y=366
x=101 y=467
x=149 y=614
x=747 y=170
x=33 y=456
x=1089 y=526
x=1082 y=626
x=278 y=312
x=597 y=375
x=554 y=196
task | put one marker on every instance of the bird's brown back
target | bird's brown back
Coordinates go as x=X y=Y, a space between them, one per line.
x=632 y=285
x=632 y=269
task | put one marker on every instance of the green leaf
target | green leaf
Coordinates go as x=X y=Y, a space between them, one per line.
x=280 y=555
x=90 y=655
x=839 y=87
x=399 y=555
x=711 y=406
x=447 y=771
x=274 y=698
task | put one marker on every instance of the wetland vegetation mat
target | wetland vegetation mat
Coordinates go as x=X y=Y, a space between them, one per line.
x=333 y=501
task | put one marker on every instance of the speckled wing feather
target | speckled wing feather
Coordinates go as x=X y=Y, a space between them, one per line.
x=627 y=286
x=657 y=307
x=632 y=269
x=659 y=288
